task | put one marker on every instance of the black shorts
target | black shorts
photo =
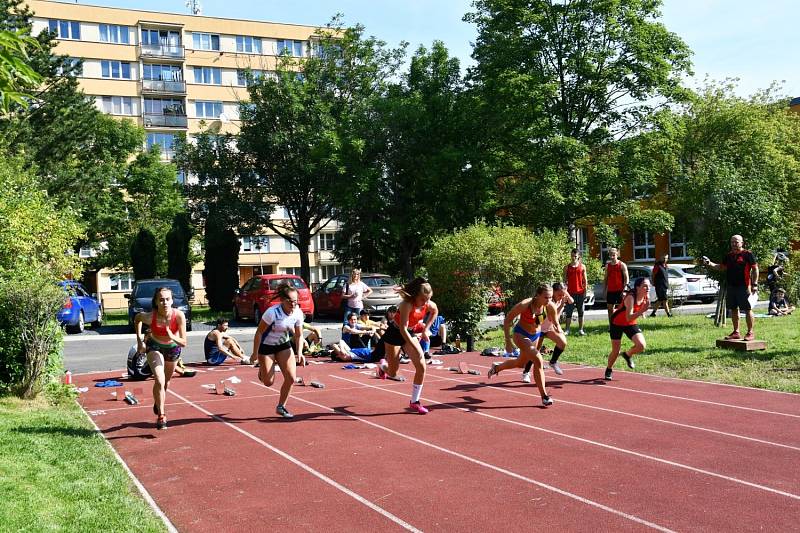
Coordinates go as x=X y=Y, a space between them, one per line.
x=613 y=297
x=737 y=297
x=170 y=353
x=393 y=335
x=617 y=331
x=662 y=294
x=578 y=303
x=272 y=349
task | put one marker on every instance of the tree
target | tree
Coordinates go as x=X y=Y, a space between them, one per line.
x=221 y=263
x=143 y=254
x=179 y=265
x=559 y=80
x=18 y=78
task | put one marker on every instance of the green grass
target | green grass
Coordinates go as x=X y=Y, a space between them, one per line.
x=200 y=313
x=684 y=346
x=58 y=474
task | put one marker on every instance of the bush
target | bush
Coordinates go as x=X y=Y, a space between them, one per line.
x=143 y=255
x=463 y=265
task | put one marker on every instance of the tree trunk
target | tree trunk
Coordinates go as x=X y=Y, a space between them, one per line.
x=303 y=245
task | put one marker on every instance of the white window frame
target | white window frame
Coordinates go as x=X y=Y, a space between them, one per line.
x=292 y=271
x=113 y=33
x=246 y=44
x=288 y=246
x=251 y=243
x=120 y=70
x=649 y=246
x=205 y=41
x=207 y=108
x=71 y=25
x=678 y=244
x=328 y=271
x=117 y=105
x=326 y=242
x=582 y=240
x=124 y=281
x=214 y=75
x=290 y=45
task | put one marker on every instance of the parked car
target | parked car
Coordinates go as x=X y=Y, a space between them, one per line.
x=260 y=293
x=140 y=300
x=700 y=286
x=678 y=292
x=79 y=308
x=328 y=297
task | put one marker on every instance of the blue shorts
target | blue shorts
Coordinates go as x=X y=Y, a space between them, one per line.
x=215 y=357
x=363 y=355
x=533 y=337
x=435 y=325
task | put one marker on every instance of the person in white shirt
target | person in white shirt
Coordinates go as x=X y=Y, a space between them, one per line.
x=355 y=292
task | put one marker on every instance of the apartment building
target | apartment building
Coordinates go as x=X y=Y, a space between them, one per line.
x=173 y=73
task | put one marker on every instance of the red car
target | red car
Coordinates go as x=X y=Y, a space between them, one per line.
x=260 y=293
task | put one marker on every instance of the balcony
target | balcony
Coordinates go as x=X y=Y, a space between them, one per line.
x=163 y=87
x=164 y=121
x=162 y=51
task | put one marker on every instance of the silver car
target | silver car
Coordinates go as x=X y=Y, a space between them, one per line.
x=678 y=290
x=700 y=286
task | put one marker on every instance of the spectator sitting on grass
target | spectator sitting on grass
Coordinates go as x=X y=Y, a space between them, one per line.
x=218 y=346
x=778 y=305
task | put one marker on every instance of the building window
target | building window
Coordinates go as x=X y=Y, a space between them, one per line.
x=247 y=44
x=85 y=251
x=644 y=246
x=161 y=38
x=205 y=109
x=208 y=75
x=677 y=247
x=165 y=141
x=71 y=65
x=118 y=105
x=111 y=33
x=326 y=241
x=121 y=282
x=163 y=106
x=161 y=72
x=582 y=240
x=288 y=246
x=290 y=47
x=291 y=271
x=328 y=271
x=205 y=41
x=255 y=243
x=116 y=69
x=66 y=29
x=604 y=248
x=242 y=78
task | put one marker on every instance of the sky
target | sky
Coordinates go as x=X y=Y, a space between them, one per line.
x=754 y=41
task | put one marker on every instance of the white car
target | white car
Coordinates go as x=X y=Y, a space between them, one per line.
x=701 y=287
x=678 y=290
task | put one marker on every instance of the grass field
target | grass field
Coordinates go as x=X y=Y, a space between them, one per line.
x=58 y=474
x=684 y=346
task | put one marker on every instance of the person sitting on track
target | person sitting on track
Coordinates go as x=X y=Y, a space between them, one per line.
x=438 y=337
x=218 y=346
x=356 y=335
x=271 y=344
x=416 y=304
x=365 y=322
x=167 y=337
x=634 y=305
x=551 y=328
x=532 y=314
x=343 y=352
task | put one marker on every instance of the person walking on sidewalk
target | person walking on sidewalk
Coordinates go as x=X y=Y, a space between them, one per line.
x=741 y=276
x=660 y=280
x=577 y=281
x=616 y=279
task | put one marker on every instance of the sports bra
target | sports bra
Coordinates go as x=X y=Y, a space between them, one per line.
x=159 y=330
x=528 y=319
x=414 y=316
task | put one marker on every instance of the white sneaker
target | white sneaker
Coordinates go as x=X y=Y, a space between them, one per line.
x=582 y=333
x=526 y=377
x=556 y=369
x=566 y=331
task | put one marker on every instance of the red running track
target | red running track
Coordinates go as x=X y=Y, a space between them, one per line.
x=641 y=452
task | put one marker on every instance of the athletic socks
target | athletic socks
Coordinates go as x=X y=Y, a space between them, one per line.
x=416 y=392
x=556 y=354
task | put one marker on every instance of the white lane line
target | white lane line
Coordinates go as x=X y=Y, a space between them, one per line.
x=599 y=444
x=380 y=510
x=142 y=490
x=484 y=464
x=625 y=413
x=638 y=391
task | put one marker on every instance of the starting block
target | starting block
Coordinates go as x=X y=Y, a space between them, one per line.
x=742 y=345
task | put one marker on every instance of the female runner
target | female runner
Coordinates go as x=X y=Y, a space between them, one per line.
x=551 y=328
x=635 y=304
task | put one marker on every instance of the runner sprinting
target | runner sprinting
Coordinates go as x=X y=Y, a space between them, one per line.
x=532 y=314
x=635 y=304
x=167 y=337
x=551 y=328
x=416 y=305
x=272 y=344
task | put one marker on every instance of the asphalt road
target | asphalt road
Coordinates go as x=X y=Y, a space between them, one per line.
x=107 y=348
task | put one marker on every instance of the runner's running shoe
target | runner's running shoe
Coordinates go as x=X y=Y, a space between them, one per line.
x=281 y=410
x=493 y=371
x=526 y=377
x=418 y=408
x=556 y=368
x=628 y=360
x=546 y=400
x=608 y=374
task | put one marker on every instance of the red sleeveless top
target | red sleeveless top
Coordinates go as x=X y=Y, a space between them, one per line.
x=614 y=277
x=620 y=314
x=160 y=330
x=416 y=314
x=575 y=279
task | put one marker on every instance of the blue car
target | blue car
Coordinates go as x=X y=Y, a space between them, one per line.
x=79 y=308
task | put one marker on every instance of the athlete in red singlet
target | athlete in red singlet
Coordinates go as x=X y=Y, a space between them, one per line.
x=634 y=305
x=616 y=280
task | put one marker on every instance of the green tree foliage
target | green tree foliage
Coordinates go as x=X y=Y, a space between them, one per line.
x=179 y=265
x=35 y=235
x=18 y=78
x=559 y=80
x=221 y=264
x=462 y=265
x=143 y=254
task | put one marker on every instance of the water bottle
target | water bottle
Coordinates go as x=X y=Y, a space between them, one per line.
x=67 y=378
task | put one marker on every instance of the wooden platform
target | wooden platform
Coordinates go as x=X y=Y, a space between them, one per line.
x=742 y=346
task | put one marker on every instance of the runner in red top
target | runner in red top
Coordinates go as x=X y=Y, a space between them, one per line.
x=616 y=280
x=741 y=275
x=416 y=306
x=635 y=304
x=577 y=282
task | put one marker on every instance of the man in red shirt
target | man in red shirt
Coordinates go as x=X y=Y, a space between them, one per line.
x=576 y=281
x=615 y=281
x=741 y=275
